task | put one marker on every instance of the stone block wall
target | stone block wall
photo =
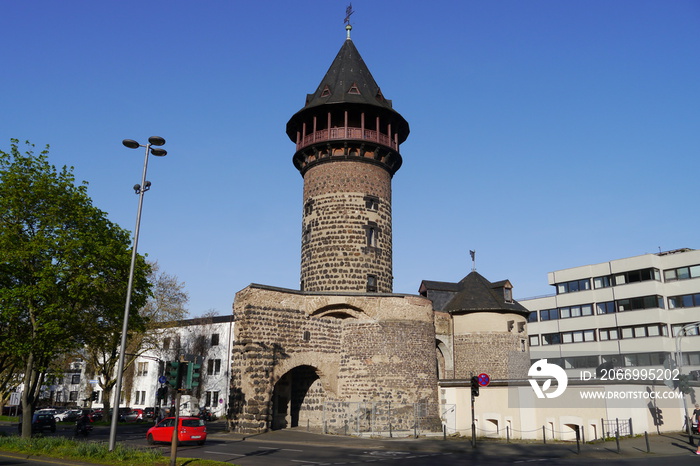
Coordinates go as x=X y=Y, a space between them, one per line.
x=498 y=354
x=361 y=347
x=342 y=201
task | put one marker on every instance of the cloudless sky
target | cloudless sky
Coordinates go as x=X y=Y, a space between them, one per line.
x=545 y=134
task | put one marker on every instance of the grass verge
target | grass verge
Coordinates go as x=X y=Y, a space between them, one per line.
x=94 y=452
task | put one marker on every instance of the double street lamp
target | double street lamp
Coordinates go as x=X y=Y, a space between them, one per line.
x=140 y=189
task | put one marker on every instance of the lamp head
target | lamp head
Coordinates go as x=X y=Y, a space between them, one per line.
x=156 y=141
x=159 y=152
x=131 y=144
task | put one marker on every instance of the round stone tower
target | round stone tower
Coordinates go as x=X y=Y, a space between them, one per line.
x=347 y=150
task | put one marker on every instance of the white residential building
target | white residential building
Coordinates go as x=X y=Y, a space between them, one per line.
x=627 y=312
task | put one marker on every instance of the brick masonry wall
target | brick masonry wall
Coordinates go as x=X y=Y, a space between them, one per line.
x=363 y=348
x=335 y=251
x=498 y=354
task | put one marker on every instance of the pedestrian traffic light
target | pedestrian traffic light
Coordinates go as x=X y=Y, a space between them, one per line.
x=194 y=371
x=175 y=369
x=475 y=386
x=162 y=393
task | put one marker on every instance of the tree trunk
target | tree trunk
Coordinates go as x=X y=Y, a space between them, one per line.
x=28 y=398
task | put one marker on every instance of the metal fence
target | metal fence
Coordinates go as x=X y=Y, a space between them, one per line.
x=387 y=419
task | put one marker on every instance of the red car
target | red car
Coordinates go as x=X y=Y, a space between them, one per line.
x=192 y=429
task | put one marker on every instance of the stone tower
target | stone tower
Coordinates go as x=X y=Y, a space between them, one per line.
x=347 y=149
x=313 y=357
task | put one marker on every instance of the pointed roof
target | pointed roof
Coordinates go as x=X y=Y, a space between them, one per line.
x=348 y=80
x=474 y=293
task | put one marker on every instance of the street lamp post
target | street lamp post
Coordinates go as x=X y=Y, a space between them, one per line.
x=140 y=190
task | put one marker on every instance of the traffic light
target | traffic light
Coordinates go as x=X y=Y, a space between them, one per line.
x=175 y=369
x=659 y=418
x=162 y=393
x=94 y=396
x=475 y=386
x=194 y=371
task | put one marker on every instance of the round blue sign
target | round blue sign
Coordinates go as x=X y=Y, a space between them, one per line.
x=162 y=379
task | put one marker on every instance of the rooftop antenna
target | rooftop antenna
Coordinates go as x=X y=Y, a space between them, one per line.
x=348 y=12
x=473 y=254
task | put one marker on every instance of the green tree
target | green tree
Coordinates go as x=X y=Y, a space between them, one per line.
x=63 y=264
x=166 y=303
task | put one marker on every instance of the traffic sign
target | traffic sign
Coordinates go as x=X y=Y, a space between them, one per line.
x=162 y=379
x=484 y=379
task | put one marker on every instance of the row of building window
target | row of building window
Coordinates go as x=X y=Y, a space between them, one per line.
x=633 y=276
x=604 y=334
x=371 y=203
x=607 y=307
x=621 y=360
x=613 y=333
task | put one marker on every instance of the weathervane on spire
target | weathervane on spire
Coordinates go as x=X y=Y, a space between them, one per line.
x=473 y=254
x=348 y=12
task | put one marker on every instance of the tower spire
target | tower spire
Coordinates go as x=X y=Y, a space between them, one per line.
x=348 y=11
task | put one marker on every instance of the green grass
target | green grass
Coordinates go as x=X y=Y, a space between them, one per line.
x=94 y=452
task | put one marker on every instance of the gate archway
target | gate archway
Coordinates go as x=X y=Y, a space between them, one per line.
x=293 y=399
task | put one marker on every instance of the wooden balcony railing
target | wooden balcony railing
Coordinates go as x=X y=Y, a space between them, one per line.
x=347 y=133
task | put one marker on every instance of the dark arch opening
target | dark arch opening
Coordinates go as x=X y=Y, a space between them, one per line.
x=289 y=395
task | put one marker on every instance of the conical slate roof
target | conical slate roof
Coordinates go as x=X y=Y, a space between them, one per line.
x=349 y=81
x=478 y=294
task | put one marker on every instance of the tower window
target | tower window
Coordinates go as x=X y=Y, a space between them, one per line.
x=372 y=202
x=371 y=283
x=306 y=236
x=309 y=207
x=307 y=335
x=372 y=237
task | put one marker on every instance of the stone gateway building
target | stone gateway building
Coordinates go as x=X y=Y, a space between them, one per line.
x=343 y=348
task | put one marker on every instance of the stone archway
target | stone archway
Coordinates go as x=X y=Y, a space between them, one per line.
x=297 y=398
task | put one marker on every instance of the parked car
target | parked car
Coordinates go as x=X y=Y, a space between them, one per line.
x=191 y=429
x=96 y=415
x=70 y=415
x=135 y=415
x=41 y=422
x=149 y=413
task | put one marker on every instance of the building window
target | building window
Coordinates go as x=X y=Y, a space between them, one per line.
x=166 y=343
x=214 y=339
x=75 y=379
x=534 y=340
x=579 y=336
x=307 y=335
x=372 y=231
x=309 y=207
x=371 y=203
x=643 y=302
x=142 y=369
x=573 y=286
x=576 y=311
x=682 y=273
x=521 y=327
x=532 y=317
x=605 y=334
x=549 y=314
x=643 y=331
x=371 y=283
x=306 y=235
x=602 y=282
x=551 y=339
x=508 y=294
x=73 y=396
x=635 y=276
x=214 y=367
x=607 y=307
x=688 y=300
x=692 y=330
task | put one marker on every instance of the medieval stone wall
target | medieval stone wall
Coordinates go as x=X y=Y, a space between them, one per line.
x=343 y=200
x=361 y=347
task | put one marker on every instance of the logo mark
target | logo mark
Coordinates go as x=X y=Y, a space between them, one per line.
x=543 y=369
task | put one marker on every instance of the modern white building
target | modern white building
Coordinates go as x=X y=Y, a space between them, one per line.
x=630 y=312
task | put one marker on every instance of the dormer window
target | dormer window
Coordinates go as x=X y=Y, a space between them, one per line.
x=353 y=89
x=326 y=92
x=508 y=294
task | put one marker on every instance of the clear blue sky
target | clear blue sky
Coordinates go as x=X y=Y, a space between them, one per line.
x=545 y=134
